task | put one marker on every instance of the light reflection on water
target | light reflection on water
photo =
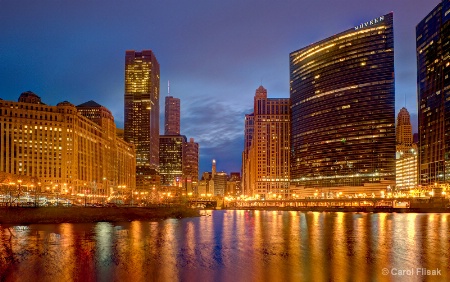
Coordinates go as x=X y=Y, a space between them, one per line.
x=231 y=246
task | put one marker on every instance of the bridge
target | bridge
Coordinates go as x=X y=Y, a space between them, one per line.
x=206 y=204
x=342 y=203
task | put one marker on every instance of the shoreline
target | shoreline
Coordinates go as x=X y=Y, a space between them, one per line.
x=55 y=215
x=349 y=209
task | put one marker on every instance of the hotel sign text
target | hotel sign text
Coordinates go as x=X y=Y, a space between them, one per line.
x=369 y=23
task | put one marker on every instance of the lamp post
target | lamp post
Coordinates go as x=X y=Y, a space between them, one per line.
x=10 y=192
x=36 y=203
x=18 y=192
x=57 y=195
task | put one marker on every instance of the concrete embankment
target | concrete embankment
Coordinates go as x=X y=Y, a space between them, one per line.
x=30 y=215
x=350 y=209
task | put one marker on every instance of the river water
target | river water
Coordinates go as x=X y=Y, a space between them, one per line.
x=234 y=246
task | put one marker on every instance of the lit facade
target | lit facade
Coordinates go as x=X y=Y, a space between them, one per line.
x=247 y=185
x=67 y=149
x=433 y=84
x=220 y=183
x=172 y=116
x=266 y=162
x=342 y=110
x=171 y=158
x=142 y=85
x=234 y=185
x=407 y=155
x=406 y=168
x=190 y=169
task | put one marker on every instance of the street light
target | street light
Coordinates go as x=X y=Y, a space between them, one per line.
x=18 y=193
x=36 y=203
x=10 y=192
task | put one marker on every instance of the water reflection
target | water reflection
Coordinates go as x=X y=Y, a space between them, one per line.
x=232 y=246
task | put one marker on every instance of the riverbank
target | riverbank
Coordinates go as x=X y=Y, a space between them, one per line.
x=30 y=215
x=350 y=209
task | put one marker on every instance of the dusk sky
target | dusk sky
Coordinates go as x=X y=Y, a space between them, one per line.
x=215 y=54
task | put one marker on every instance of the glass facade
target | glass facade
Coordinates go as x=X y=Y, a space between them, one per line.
x=433 y=85
x=171 y=150
x=343 y=108
x=142 y=113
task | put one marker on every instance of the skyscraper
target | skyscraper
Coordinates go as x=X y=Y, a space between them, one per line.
x=404 y=129
x=190 y=168
x=171 y=162
x=266 y=153
x=142 y=113
x=406 y=163
x=172 y=116
x=433 y=88
x=342 y=110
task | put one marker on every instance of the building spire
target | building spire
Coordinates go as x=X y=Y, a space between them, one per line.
x=168 y=87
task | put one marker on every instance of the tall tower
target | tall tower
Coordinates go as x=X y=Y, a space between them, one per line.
x=213 y=171
x=404 y=128
x=406 y=156
x=343 y=110
x=266 y=152
x=172 y=116
x=142 y=113
x=191 y=155
x=433 y=88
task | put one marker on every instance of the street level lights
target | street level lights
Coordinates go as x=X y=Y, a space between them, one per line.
x=18 y=192
x=36 y=203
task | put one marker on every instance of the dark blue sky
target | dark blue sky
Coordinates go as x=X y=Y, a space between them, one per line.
x=215 y=54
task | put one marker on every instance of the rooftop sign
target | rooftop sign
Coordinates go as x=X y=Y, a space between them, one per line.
x=369 y=23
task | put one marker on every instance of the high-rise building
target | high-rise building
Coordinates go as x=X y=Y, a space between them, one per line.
x=220 y=183
x=403 y=130
x=247 y=187
x=171 y=156
x=190 y=170
x=433 y=87
x=342 y=110
x=267 y=149
x=172 y=116
x=214 y=169
x=66 y=149
x=142 y=113
x=406 y=157
x=234 y=185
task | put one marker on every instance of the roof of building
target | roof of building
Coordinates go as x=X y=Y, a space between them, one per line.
x=90 y=104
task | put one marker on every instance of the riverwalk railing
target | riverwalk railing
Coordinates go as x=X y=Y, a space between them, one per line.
x=403 y=203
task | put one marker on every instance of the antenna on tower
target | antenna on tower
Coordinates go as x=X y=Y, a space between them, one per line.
x=405 y=100
x=168 y=87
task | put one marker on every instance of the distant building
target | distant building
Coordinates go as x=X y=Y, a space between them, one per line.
x=266 y=157
x=247 y=185
x=190 y=169
x=433 y=82
x=171 y=157
x=142 y=114
x=407 y=155
x=343 y=111
x=205 y=185
x=234 y=185
x=220 y=183
x=172 y=116
x=67 y=149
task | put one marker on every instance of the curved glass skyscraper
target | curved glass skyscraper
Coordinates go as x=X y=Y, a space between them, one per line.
x=433 y=89
x=343 y=108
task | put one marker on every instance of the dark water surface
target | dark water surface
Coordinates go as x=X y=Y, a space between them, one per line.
x=234 y=246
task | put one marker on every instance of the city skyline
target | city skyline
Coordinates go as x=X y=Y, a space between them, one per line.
x=212 y=62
